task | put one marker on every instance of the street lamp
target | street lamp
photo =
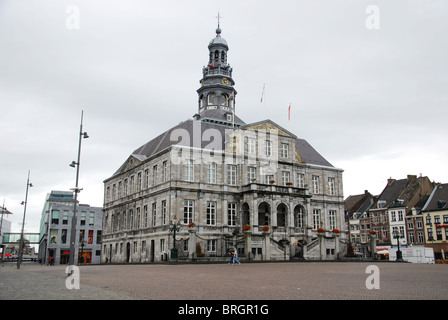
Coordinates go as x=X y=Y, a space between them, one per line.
x=76 y=190
x=398 y=235
x=22 y=240
x=174 y=227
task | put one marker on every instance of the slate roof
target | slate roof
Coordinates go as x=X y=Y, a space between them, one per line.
x=438 y=199
x=358 y=204
x=193 y=130
x=391 y=192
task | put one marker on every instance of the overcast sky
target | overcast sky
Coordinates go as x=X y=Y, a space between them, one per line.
x=371 y=101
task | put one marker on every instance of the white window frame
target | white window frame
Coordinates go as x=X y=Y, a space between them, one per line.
x=211 y=213
x=189 y=170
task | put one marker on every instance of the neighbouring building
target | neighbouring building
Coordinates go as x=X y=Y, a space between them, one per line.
x=356 y=208
x=214 y=183
x=56 y=225
x=435 y=219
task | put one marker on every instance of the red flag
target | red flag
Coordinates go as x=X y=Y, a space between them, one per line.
x=211 y=66
x=289 y=112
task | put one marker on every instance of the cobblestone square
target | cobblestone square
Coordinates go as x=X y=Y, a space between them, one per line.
x=251 y=281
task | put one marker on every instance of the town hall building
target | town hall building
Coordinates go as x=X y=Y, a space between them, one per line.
x=215 y=183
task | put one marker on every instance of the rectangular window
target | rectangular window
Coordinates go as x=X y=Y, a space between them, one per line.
x=188 y=211
x=138 y=218
x=331 y=186
x=65 y=217
x=316 y=218
x=165 y=171
x=64 y=236
x=411 y=237
x=189 y=170
x=211 y=245
x=315 y=184
x=285 y=178
x=284 y=150
x=211 y=172
x=146 y=179
x=332 y=219
x=231 y=214
x=154 y=175
x=251 y=174
x=439 y=233
x=393 y=217
x=132 y=186
x=83 y=218
x=211 y=213
x=139 y=181
x=268 y=148
x=420 y=236
x=91 y=218
x=90 y=238
x=164 y=212
x=251 y=145
x=154 y=214
x=268 y=178
x=55 y=216
x=300 y=180
x=145 y=216
x=231 y=174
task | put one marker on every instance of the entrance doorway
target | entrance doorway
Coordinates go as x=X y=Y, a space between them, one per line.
x=128 y=252
x=151 y=252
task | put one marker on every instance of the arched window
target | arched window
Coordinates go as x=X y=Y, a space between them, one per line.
x=246 y=214
x=264 y=212
x=224 y=101
x=223 y=56
x=281 y=215
x=211 y=99
x=201 y=101
x=299 y=216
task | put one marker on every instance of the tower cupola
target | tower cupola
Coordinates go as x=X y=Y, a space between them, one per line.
x=216 y=91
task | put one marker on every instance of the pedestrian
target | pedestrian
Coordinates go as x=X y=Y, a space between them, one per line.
x=230 y=253
x=235 y=257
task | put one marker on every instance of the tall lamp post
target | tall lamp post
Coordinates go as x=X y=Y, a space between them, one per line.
x=22 y=240
x=82 y=135
x=174 y=227
x=397 y=235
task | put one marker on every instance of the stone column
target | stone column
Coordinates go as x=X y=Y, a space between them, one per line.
x=248 y=235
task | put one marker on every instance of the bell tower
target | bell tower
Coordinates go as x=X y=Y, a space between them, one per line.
x=216 y=91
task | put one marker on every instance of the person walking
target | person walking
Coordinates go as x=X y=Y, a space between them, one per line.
x=230 y=253
x=235 y=257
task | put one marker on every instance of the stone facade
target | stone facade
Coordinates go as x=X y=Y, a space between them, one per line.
x=222 y=184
